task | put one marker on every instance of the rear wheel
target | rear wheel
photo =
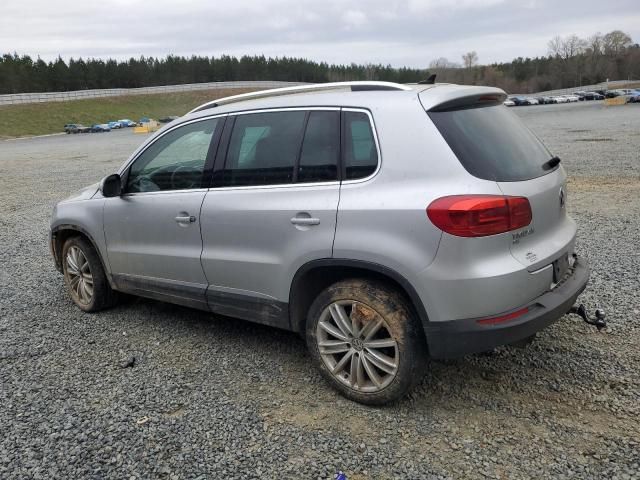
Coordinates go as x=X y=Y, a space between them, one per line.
x=365 y=340
x=84 y=276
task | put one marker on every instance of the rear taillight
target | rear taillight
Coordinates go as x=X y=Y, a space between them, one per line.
x=479 y=215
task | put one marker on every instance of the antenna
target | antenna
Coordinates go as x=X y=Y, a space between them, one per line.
x=429 y=81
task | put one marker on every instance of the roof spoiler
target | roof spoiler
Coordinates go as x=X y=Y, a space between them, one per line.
x=474 y=97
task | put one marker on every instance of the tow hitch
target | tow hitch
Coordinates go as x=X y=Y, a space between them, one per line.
x=598 y=322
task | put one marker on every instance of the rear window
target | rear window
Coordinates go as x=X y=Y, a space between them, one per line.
x=492 y=143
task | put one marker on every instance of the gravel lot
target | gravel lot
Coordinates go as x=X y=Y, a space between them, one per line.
x=213 y=397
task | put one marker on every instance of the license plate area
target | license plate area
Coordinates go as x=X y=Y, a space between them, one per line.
x=560 y=267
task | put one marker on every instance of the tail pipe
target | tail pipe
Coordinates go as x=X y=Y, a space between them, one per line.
x=598 y=321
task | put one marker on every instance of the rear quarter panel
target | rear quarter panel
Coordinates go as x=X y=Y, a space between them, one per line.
x=383 y=219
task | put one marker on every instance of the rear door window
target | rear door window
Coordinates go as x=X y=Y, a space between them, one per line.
x=263 y=148
x=275 y=148
x=320 y=148
x=492 y=143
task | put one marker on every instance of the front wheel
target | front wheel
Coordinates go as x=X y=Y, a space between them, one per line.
x=366 y=342
x=84 y=276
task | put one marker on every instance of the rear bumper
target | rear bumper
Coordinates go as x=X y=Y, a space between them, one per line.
x=452 y=339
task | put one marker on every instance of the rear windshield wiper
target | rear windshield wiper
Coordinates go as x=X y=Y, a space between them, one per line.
x=553 y=162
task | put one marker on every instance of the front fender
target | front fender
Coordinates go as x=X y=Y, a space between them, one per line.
x=84 y=217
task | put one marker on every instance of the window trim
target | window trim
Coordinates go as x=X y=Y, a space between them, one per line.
x=296 y=163
x=207 y=173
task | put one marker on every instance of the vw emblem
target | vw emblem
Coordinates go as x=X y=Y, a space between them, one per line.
x=562 y=199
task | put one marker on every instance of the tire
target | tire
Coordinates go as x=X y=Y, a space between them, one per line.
x=383 y=373
x=89 y=289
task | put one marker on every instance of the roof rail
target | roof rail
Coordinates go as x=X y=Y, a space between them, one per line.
x=316 y=87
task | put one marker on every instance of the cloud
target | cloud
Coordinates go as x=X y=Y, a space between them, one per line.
x=436 y=6
x=396 y=32
x=354 y=19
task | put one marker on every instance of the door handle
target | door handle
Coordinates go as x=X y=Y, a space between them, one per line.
x=305 y=221
x=185 y=219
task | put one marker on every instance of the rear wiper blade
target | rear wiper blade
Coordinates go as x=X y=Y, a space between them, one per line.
x=553 y=162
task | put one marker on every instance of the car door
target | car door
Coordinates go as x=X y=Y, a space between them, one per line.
x=272 y=208
x=152 y=230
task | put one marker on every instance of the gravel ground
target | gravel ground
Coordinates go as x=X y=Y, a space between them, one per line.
x=213 y=397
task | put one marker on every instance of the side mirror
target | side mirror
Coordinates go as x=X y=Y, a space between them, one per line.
x=111 y=186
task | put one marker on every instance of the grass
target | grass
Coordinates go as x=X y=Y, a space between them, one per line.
x=43 y=118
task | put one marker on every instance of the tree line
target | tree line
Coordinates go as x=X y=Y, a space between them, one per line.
x=571 y=61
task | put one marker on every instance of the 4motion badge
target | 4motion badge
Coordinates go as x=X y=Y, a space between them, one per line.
x=522 y=233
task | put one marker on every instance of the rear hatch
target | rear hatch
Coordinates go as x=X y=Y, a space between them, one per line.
x=492 y=143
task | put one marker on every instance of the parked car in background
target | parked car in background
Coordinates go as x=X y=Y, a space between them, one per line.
x=531 y=101
x=144 y=120
x=572 y=98
x=508 y=103
x=560 y=99
x=100 y=127
x=634 y=97
x=125 y=122
x=592 y=96
x=477 y=250
x=114 y=125
x=168 y=119
x=613 y=93
x=549 y=100
x=76 y=128
x=628 y=93
x=518 y=101
x=580 y=94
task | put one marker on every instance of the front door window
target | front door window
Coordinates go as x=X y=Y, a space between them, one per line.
x=175 y=161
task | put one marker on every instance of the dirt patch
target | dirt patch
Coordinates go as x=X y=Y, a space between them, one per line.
x=603 y=194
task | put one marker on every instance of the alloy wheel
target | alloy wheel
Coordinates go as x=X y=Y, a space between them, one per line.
x=356 y=346
x=79 y=275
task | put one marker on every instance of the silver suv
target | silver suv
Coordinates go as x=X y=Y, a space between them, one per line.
x=386 y=223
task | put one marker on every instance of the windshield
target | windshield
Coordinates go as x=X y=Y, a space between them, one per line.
x=492 y=143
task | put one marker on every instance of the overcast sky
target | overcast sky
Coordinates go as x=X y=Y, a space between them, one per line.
x=396 y=32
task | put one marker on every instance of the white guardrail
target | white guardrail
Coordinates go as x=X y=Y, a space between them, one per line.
x=18 y=98
x=584 y=88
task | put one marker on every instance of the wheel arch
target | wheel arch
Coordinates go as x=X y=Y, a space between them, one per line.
x=61 y=233
x=314 y=276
